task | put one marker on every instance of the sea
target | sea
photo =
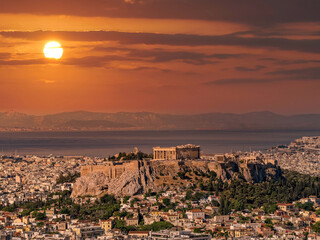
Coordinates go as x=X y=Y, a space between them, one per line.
x=107 y=143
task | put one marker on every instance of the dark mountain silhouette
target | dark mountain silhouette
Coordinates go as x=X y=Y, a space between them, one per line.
x=82 y=120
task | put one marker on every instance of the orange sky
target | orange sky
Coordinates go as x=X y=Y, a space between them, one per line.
x=178 y=56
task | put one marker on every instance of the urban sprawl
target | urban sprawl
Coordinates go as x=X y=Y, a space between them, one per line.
x=37 y=199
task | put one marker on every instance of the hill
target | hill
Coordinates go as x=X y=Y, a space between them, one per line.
x=127 y=178
x=84 y=121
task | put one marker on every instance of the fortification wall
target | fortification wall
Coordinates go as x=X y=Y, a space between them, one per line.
x=110 y=169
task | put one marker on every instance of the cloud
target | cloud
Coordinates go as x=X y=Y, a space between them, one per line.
x=133 y=55
x=245 y=11
x=303 y=74
x=297 y=61
x=231 y=81
x=125 y=38
x=5 y=55
x=268 y=59
x=88 y=61
x=194 y=58
x=92 y=61
x=145 y=68
x=290 y=61
x=252 y=69
x=161 y=55
x=24 y=62
x=133 y=1
x=165 y=56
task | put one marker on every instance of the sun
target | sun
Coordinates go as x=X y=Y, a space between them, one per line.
x=53 y=50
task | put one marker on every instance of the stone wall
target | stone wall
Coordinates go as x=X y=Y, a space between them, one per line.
x=111 y=169
x=188 y=153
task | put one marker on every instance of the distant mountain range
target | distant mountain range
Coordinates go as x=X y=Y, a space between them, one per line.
x=84 y=121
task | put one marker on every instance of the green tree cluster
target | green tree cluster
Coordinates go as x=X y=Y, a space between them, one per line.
x=68 y=178
x=156 y=226
x=130 y=156
x=240 y=195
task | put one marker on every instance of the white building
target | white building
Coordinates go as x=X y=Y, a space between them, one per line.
x=195 y=213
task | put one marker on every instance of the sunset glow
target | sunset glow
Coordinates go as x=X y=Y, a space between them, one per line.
x=53 y=50
x=214 y=56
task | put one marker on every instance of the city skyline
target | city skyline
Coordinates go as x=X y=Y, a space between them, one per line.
x=173 y=56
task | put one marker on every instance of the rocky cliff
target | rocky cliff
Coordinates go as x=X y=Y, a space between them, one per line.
x=130 y=182
x=163 y=175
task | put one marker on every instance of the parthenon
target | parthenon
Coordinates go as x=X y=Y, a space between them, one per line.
x=188 y=151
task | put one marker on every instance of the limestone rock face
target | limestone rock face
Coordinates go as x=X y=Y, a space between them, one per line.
x=92 y=184
x=132 y=182
x=145 y=176
x=259 y=172
x=128 y=184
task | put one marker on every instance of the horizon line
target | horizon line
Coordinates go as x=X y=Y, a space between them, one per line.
x=160 y=113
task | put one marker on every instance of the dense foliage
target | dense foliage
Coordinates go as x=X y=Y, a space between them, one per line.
x=101 y=209
x=68 y=178
x=239 y=195
x=316 y=227
x=39 y=215
x=130 y=156
x=308 y=206
x=156 y=226
x=194 y=195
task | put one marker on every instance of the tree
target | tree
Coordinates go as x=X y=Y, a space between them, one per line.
x=125 y=199
x=121 y=214
x=299 y=205
x=39 y=215
x=182 y=175
x=316 y=227
x=224 y=207
x=289 y=224
x=26 y=212
x=268 y=221
x=215 y=203
x=110 y=199
x=65 y=211
x=243 y=219
x=166 y=201
x=120 y=224
x=238 y=205
x=69 y=178
x=212 y=175
x=40 y=224
x=157 y=226
x=270 y=208
x=308 y=206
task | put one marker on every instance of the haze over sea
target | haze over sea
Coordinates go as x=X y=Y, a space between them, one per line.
x=111 y=142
